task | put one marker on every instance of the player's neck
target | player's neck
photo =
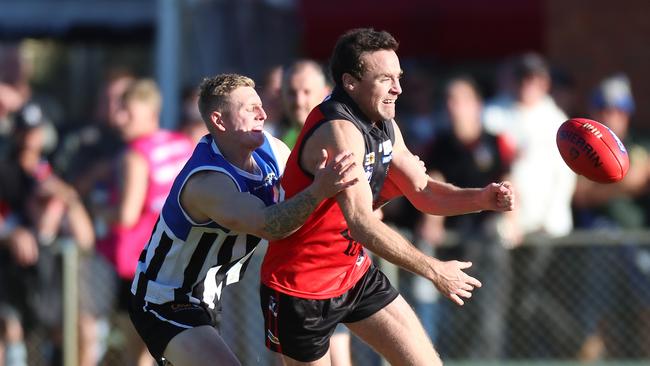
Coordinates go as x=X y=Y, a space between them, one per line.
x=237 y=155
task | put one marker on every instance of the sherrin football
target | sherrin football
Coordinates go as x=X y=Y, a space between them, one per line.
x=591 y=149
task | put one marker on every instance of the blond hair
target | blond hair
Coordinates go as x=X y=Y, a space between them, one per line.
x=143 y=90
x=214 y=92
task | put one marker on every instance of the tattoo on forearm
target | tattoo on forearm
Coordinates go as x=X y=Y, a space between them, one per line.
x=283 y=218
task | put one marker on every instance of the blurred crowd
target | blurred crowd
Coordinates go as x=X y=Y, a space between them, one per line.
x=103 y=184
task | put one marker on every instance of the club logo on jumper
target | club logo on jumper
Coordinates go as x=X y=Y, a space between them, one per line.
x=386 y=150
x=272 y=337
x=369 y=165
x=270 y=179
x=273 y=306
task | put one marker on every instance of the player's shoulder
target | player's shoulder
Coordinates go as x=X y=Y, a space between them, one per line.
x=340 y=127
x=335 y=109
x=214 y=181
x=279 y=149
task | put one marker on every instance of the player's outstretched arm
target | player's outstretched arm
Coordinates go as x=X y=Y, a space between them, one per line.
x=214 y=195
x=428 y=195
x=366 y=228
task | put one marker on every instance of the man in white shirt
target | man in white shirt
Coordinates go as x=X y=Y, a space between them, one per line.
x=544 y=183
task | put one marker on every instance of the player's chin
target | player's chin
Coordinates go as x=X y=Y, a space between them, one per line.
x=255 y=138
x=387 y=113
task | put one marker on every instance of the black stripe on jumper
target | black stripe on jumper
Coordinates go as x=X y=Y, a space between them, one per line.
x=143 y=253
x=159 y=255
x=191 y=273
x=251 y=243
x=224 y=257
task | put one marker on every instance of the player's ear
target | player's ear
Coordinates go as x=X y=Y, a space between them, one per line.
x=216 y=119
x=349 y=82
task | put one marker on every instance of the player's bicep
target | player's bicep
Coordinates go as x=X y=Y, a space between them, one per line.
x=407 y=172
x=337 y=137
x=214 y=195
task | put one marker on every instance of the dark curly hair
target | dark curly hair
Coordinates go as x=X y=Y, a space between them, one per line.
x=351 y=45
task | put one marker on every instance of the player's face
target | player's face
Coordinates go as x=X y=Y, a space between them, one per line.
x=463 y=106
x=533 y=89
x=134 y=118
x=244 y=119
x=379 y=86
x=303 y=91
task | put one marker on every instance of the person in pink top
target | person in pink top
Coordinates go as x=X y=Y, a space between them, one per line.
x=152 y=159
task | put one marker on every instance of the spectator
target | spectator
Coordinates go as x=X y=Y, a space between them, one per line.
x=304 y=86
x=191 y=123
x=48 y=207
x=545 y=186
x=272 y=100
x=90 y=152
x=148 y=166
x=465 y=155
x=614 y=207
x=419 y=117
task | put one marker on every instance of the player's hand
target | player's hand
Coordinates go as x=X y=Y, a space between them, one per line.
x=452 y=282
x=334 y=175
x=500 y=196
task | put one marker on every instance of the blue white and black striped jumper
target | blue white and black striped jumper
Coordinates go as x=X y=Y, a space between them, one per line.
x=186 y=261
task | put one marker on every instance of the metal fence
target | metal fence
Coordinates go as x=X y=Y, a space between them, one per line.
x=584 y=297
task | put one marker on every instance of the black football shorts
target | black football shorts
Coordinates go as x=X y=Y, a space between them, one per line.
x=158 y=324
x=301 y=328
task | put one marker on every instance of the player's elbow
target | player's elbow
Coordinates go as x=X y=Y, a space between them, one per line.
x=242 y=225
x=360 y=227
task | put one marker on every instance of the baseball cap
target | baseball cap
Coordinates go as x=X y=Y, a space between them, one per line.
x=614 y=92
x=530 y=64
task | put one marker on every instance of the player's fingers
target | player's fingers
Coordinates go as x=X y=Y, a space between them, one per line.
x=342 y=156
x=455 y=298
x=463 y=293
x=467 y=287
x=505 y=197
x=504 y=201
x=343 y=185
x=463 y=265
x=347 y=168
x=343 y=161
x=323 y=157
x=473 y=281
